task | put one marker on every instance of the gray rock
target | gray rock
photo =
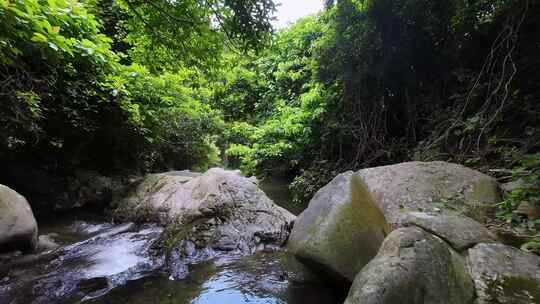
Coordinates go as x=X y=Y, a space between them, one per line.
x=430 y=187
x=413 y=267
x=46 y=242
x=341 y=230
x=460 y=231
x=504 y=274
x=347 y=220
x=219 y=210
x=18 y=227
x=184 y=173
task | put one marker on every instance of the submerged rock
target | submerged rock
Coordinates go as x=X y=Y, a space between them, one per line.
x=341 y=230
x=504 y=274
x=218 y=211
x=46 y=243
x=18 y=227
x=459 y=231
x=413 y=267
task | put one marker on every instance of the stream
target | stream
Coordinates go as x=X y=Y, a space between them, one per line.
x=98 y=262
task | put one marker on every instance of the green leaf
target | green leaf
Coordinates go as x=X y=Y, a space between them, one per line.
x=39 y=37
x=53 y=46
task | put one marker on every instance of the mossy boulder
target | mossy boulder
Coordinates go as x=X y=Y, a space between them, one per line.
x=413 y=267
x=218 y=211
x=504 y=274
x=341 y=230
x=347 y=220
x=18 y=227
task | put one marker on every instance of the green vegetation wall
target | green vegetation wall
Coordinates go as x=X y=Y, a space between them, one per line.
x=374 y=82
x=129 y=86
x=67 y=102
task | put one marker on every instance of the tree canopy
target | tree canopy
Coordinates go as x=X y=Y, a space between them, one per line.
x=138 y=86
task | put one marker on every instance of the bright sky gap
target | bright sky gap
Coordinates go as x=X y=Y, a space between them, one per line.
x=288 y=11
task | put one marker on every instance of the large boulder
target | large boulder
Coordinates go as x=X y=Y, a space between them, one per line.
x=347 y=220
x=413 y=267
x=217 y=211
x=341 y=230
x=459 y=231
x=504 y=274
x=430 y=187
x=18 y=227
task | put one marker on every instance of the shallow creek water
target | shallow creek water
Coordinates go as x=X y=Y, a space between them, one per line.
x=112 y=264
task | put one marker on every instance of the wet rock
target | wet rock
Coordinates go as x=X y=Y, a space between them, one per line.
x=340 y=231
x=504 y=274
x=232 y=279
x=18 y=227
x=92 y=285
x=83 y=270
x=218 y=211
x=46 y=242
x=460 y=231
x=413 y=267
x=83 y=227
x=19 y=260
x=430 y=187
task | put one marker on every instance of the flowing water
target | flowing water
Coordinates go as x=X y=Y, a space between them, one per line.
x=115 y=264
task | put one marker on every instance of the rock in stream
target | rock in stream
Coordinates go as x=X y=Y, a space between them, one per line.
x=206 y=215
x=109 y=257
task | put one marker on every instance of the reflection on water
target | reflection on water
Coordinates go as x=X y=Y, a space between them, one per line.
x=259 y=279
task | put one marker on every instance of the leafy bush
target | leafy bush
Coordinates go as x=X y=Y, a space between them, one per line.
x=282 y=106
x=305 y=185
x=53 y=62
x=68 y=102
x=171 y=118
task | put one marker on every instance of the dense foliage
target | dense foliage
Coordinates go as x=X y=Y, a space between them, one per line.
x=134 y=86
x=375 y=82
x=53 y=66
x=77 y=90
